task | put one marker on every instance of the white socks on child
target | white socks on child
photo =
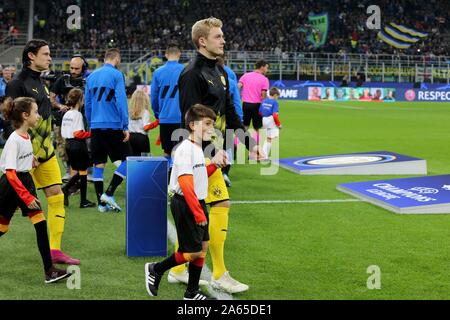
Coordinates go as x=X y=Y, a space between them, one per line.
x=266 y=148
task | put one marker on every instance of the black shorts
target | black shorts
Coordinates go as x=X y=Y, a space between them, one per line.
x=139 y=144
x=190 y=234
x=165 y=134
x=78 y=154
x=10 y=201
x=108 y=143
x=251 y=114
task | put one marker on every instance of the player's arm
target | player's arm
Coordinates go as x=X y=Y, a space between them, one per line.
x=275 y=115
x=121 y=99
x=154 y=95
x=265 y=88
x=186 y=183
x=19 y=188
x=191 y=86
x=264 y=94
x=241 y=81
x=87 y=104
x=78 y=126
x=152 y=125
x=11 y=175
x=147 y=124
x=236 y=97
x=276 y=119
x=54 y=92
x=81 y=135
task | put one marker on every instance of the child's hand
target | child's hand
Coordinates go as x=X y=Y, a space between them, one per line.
x=35 y=205
x=35 y=162
x=220 y=159
x=280 y=127
x=200 y=219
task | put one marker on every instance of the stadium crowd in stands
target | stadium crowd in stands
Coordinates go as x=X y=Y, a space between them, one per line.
x=257 y=26
x=10 y=14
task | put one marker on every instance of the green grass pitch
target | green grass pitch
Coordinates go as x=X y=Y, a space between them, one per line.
x=283 y=251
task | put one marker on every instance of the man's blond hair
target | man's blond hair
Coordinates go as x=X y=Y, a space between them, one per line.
x=202 y=27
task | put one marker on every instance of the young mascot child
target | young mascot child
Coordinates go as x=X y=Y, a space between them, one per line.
x=16 y=184
x=140 y=123
x=72 y=129
x=269 y=111
x=189 y=182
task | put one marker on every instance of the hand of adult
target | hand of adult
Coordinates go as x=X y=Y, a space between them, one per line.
x=126 y=133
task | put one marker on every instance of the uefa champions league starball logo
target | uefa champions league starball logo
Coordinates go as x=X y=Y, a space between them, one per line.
x=425 y=190
x=410 y=95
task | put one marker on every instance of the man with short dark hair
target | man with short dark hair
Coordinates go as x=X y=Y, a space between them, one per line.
x=254 y=86
x=47 y=175
x=106 y=110
x=58 y=93
x=165 y=99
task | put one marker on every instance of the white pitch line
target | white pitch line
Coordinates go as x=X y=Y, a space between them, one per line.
x=206 y=272
x=292 y=201
x=332 y=105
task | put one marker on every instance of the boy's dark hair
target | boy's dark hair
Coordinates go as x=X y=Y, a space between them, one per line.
x=197 y=112
x=74 y=96
x=13 y=109
x=261 y=63
x=112 y=53
x=32 y=46
x=274 y=91
x=173 y=48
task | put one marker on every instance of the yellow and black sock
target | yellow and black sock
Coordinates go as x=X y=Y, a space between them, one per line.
x=218 y=228
x=56 y=220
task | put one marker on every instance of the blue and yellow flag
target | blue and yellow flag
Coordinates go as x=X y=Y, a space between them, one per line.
x=319 y=29
x=399 y=36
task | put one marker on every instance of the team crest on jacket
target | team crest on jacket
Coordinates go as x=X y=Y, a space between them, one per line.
x=222 y=78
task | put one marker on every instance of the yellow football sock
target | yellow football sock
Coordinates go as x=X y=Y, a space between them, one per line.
x=56 y=219
x=182 y=267
x=218 y=227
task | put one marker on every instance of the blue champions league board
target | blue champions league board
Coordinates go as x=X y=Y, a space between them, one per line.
x=146 y=202
x=367 y=163
x=429 y=194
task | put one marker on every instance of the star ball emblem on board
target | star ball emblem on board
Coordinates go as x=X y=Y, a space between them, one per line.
x=217 y=192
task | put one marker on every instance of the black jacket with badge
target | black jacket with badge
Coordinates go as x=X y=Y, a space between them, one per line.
x=204 y=81
x=28 y=83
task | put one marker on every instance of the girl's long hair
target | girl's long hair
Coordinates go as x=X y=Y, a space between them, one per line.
x=138 y=103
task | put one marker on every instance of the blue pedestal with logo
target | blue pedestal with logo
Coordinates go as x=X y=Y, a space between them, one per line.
x=366 y=163
x=146 y=218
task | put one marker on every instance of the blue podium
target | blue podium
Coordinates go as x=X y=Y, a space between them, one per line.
x=146 y=203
